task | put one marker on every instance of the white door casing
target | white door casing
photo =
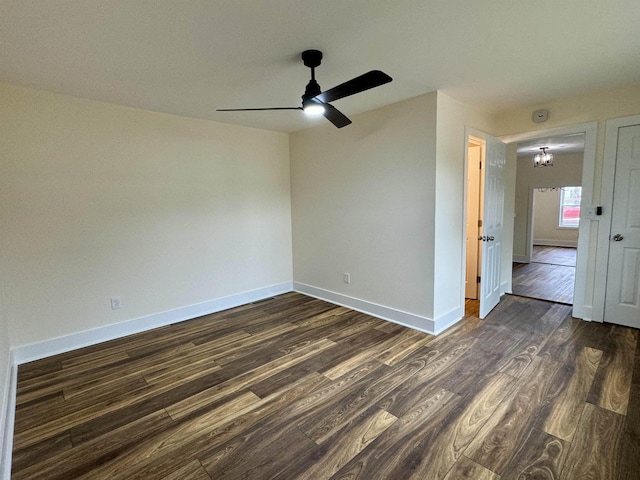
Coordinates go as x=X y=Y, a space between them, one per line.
x=473 y=215
x=590 y=284
x=492 y=224
x=622 y=298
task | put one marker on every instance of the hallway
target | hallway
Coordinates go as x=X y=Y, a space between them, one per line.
x=550 y=275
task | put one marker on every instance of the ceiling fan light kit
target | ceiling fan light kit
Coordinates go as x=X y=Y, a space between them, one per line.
x=316 y=102
x=313 y=108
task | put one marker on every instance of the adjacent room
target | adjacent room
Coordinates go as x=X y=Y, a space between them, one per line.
x=547 y=206
x=319 y=240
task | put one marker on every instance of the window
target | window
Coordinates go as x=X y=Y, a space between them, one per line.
x=570 y=198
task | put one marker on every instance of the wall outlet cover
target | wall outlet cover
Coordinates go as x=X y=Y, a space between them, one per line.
x=116 y=303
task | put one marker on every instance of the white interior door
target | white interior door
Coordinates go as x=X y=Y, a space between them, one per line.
x=492 y=224
x=622 y=299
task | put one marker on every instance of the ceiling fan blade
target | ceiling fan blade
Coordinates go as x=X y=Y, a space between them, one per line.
x=255 y=109
x=368 y=80
x=335 y=116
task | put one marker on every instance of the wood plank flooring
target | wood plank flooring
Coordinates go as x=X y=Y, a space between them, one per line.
x=296 y=388
x=566 y=256
x=550 y=275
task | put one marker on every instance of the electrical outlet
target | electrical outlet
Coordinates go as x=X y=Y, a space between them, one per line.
x=347 y=278
x=116 y=303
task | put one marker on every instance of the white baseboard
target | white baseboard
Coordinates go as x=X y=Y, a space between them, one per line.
x=448 y=319
x=417 y=322
x=521 y=259
x=54 y=346
x=7 y=418
x=555 y=243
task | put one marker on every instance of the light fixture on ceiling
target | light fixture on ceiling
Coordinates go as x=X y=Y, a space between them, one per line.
x=312 y=108
x=543 y=159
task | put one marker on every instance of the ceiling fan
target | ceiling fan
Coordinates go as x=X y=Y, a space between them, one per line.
x=314 y=101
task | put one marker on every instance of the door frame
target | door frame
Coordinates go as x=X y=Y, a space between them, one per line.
x=470 y=132
x=527 y=258
x=586 y=305
x=608 y=181
x=481 y=144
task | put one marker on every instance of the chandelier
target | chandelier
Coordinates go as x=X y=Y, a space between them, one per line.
x=543 y=159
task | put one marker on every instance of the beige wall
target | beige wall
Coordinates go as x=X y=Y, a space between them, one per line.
x=382 y=200
x=362 y=203
x=98 y=200
x=546 y=208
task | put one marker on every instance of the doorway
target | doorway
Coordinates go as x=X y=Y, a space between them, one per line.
x=550 y=275
x=475 y=157
x=484 y=234
x=588 y=296
x=546 y=226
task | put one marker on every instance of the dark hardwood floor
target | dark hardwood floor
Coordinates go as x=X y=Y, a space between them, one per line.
x=550 y=275
x=566 y=256
x=296 y=388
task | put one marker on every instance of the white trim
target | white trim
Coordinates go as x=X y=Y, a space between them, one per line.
x=47 y=348
x=468 y=132
x=4 y=409
x=505 y=287
x=7 y=421
x=606 y=195
x=521 y=259
x=585 y=228
x=590 y=130
x=530 y=212
x=555 y=243
x=417 y=322
x=447 y=320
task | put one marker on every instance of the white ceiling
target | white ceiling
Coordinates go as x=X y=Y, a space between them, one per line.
x=190 y=57
x=558 y=145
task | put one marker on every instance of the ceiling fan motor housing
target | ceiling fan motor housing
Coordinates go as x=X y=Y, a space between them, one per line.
x=312 y=90
x=312 y=58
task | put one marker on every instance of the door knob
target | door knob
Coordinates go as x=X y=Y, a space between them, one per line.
x=481 y=238
x=618 y=237
x=491 y=238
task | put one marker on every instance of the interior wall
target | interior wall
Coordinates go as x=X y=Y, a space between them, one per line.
x=363 y=203
x=566 y=170
x=450 y=239
x=546 y=208
x=384 y=202
x=99 y=200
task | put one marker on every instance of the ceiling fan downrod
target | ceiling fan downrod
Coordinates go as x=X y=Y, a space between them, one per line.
x=311 y=59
